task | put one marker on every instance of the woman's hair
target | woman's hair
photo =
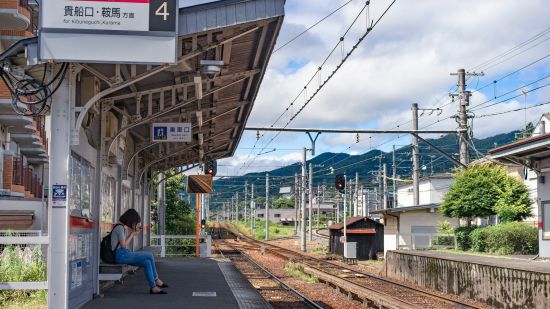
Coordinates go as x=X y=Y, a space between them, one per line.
x=130 y=218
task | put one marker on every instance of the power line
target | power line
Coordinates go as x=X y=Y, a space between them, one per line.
x=311 y=27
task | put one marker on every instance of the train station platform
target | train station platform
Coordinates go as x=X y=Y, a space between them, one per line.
x=193 y=283
x=499 y=282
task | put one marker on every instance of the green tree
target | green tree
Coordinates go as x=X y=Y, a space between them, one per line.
x=282 y=202
x=514 y=203
x=179 y=215
x=484 y=190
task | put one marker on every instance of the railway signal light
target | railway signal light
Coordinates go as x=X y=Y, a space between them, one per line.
x=340 y=182
x=203 y=224
x=211 y=168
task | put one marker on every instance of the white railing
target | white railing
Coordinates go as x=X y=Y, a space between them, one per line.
x=22 y=238
x=181 y=245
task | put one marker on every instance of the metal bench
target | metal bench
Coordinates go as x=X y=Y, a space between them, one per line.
x=115 y=272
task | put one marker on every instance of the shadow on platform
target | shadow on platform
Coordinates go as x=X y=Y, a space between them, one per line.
x=186 y=278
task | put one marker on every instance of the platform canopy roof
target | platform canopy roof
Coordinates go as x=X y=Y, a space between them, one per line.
x=241 y=33
x=524 y=152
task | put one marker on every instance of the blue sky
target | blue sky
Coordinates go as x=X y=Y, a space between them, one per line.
x=407 y=58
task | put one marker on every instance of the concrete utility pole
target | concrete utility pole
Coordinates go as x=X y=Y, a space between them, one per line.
x=266 y=206
x=318 y=206
x=304 y=245
x=237 y=207
x=415 y=157
x=380 y=189
x=252 y=210
x=385 y=186
x=296 y=204
x=245 y=202
x=362 y=200
x=463 y=102
x=356 y=196
x=310 y=204
x=394 y=180
x=224 y=212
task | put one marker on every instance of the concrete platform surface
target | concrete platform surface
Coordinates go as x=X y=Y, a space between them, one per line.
x=192 y=284
x=538 y=266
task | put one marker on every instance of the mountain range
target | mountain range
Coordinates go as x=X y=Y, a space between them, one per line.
x=368 y=165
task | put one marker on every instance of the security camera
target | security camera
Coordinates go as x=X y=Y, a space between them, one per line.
x=211 y=68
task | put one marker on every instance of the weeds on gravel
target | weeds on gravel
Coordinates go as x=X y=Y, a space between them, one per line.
x=22 y=265
x=297 y=271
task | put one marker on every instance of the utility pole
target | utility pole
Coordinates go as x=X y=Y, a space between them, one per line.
x=310 y=204
x=415 y=157
x=356 y=196
x=224 y=212
x=252 y=210
x=296 y=203
x=380 y=188
x=362 y=200
x=385 y=197
x=394 y=180
x=266 y=206
x=237 y=207
x=245 y=201
x=463 y=102
x=304 y=245
x=318 y=206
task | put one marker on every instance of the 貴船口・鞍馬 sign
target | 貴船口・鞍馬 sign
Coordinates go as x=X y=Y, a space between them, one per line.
x=115 y=31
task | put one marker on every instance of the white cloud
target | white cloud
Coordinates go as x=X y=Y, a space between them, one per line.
x=406 y=59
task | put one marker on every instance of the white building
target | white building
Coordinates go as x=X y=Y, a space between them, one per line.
x=534 y=155
x=414 y=227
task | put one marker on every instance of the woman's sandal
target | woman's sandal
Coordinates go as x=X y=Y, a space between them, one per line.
x=159 y=292
x=164 y=286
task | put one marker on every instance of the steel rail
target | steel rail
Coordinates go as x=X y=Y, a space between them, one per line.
x=369 y=276
x=304 y=298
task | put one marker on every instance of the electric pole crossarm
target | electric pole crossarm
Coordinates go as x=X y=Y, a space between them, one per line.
x=309 y=131
x=455 y=161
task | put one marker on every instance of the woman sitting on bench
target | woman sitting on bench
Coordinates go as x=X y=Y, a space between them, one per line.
x=119 y=243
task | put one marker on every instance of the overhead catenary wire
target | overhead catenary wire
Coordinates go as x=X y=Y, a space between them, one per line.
x=347 y=56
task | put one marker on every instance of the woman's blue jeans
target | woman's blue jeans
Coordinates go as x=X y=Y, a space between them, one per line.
x=140 y=258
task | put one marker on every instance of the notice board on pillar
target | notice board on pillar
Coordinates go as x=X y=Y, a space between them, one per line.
x=199 y=184
x=107 y=31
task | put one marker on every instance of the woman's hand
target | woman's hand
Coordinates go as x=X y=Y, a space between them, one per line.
x=138 y=229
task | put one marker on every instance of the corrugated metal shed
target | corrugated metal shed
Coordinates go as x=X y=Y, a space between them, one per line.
x=226 y=13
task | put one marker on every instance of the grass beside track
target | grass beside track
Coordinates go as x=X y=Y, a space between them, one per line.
x=275 y=230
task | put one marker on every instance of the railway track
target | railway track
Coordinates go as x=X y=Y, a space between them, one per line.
x=273 y=289
x=371 y=290
x=318 y=233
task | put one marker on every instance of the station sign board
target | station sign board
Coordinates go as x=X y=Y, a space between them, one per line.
x=69 y=28
x=171 y=132
x=199 y=184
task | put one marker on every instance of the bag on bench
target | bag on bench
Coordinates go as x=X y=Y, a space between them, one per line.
x=105 y=250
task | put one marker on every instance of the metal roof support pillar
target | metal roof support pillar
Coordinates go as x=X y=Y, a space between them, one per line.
x=58 y=214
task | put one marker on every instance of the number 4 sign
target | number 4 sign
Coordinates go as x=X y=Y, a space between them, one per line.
x=162 y=15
